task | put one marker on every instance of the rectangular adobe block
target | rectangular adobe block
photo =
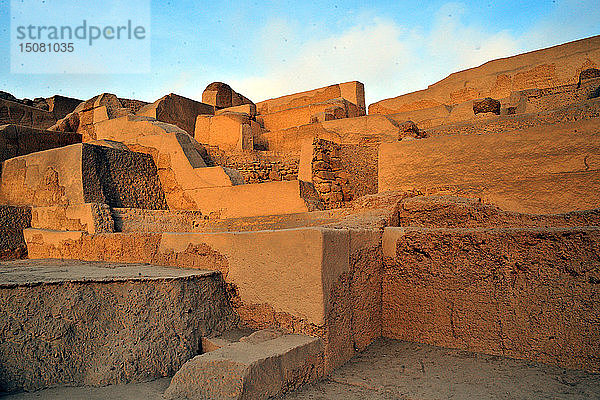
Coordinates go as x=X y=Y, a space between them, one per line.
x=101 y=323
x=353 y=92
x=82 y=173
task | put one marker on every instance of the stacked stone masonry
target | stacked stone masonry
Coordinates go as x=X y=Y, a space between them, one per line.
x=328 y=175
x=256 y=167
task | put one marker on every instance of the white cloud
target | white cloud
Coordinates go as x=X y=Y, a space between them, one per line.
x=465 y=46
x=369 y=53
x=388 y=58
x=570 y=20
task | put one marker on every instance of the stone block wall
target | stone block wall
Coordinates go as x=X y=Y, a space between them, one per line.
x=255 y=167
x=328 y=175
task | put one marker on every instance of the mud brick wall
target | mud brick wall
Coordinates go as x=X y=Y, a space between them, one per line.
x=12 y=222
x=255 y=167
x=539 y=100
x=139 y=220
x=19 y=140
x=49 y=332
x=361 y=163
x=133 y=105
x=121 y=179
x=20 y=114
x=328 y=175
x=522 y=293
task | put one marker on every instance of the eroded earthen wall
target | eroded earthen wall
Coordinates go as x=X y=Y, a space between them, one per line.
x=12 y=222
x=524 y=292
x=20 y=114
x=121 y=178
x=546 y=169
x=102 y=333
x=19 y=140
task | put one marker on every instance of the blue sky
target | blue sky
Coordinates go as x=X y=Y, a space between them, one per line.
x=270 y=48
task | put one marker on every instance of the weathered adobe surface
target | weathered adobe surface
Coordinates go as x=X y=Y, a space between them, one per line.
x=121 y=178
x=463 y=274
x=551 y=67
x=458 y=212
x=353 y=92
x=371 y=298
x=589 y=109
x=353 y=296
x=221 y=95
x=12 y=222
x=82 y=173
x=365 y=130
x=337 y=108
x=87 y=217
x=57 y=104
x=353 y=311
x=529 y=293
x=18 y=140
x=98 y=328
x=263 y=365
x=138 y=220
x=360 y=161
x=524 y=104
x=23 y=115
x=545 y=169
x=38 y=114
x=177 y=110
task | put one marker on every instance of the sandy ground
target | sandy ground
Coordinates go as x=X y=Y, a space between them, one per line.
x=139 y=391
x=392 y=369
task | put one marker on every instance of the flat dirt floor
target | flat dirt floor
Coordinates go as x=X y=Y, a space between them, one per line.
x=393 y=369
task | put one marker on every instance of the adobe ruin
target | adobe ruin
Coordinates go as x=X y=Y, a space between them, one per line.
x=270 y=242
